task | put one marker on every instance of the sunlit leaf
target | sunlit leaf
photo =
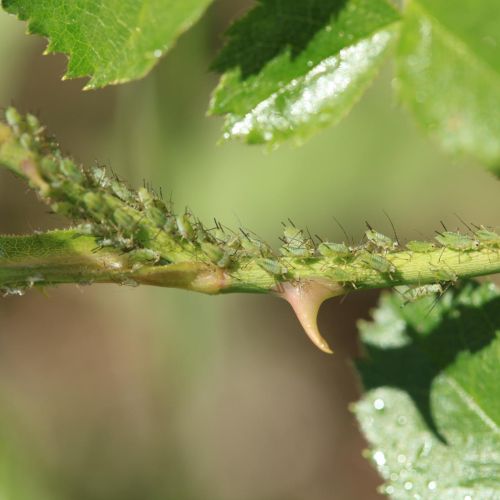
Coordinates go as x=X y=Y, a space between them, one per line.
x=432 y=411
x=291 y=67
x=112 y=41
x=449 y=73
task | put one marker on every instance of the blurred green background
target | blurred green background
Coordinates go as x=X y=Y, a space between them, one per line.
x=124 y=393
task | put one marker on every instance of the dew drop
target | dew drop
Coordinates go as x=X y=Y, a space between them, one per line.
x=408 y=485
x=401 y=420
x=379 y=404
x=310 y=64
x=379 y=457
x=389 y=490
x=157 y=53
x=328 y=28
x=226 y=135
x=467 y=497
x=401 y=459
x=432 y=485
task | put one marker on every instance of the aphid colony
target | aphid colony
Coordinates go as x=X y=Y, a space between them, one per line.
x=143 y=225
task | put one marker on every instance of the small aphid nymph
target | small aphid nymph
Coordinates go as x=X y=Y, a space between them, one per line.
x=420 y=246
x=378 y=263
x=272 y=267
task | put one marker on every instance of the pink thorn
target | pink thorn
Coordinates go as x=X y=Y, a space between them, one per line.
x=306 y=297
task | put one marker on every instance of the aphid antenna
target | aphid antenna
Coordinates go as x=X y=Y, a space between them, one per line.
x=342 y=228
x=291 y=222
x=282 y=239
x=442 y=223
x=318 y=238
x=246 y=235
x=392 y=225
x=161 y=193
x=463 y=222
x=368 y=225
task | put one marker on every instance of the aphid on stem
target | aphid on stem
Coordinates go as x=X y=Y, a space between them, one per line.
x=457 y=241
x=379 y=241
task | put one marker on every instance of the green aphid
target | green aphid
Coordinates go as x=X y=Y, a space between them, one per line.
x=293 y=237
x=145 y=197
x=445 y=275
x=14 y=119
x=413 y=294
x=335 y=250
x=487 y=236
x=225 y=260
x=123 y=219
x=254 y=246
x=379 y=240
x=49 y=166
x=457 y=241
x=378 y=263
x=170 y=224
x=233 y=242
x=34 y=124
x=64 y=208
x=298 y=252
x=185 y=227
x=156 y=216
x=420 y=246
x=26 y=141
x=143 y=256
x=213 y=252
x=94 y=202
x=121 y=191
x=69 y=170
x=98 y=176
x=272 y=267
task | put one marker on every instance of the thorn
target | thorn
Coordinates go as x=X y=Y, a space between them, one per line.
x=306 y=297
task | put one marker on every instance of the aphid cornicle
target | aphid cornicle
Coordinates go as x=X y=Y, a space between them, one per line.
x=457 y=241
x=420 y=246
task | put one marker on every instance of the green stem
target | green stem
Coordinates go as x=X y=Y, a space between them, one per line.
x=179 y=251
x=58 y=257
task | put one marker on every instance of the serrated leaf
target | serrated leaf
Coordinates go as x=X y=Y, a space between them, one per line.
x=432 y=410
x=112 y=41
x=292 y=67
x=449 y=73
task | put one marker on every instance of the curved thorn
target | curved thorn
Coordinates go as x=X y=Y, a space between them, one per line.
x=306 y=297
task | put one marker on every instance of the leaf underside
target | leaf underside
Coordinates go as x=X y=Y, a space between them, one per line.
x=291 y=67
x=449 y=73
x=111 y=41
x=432 y=411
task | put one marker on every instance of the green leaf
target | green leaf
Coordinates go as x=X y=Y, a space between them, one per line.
x=291 y=67
x=432 y=410
x=112 y=41
x=449 y=73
